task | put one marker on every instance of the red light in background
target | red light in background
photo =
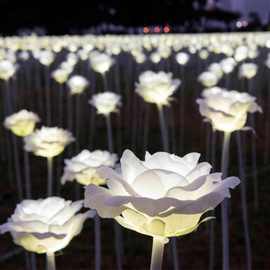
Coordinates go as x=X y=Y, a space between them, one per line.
x=157 y=29
x=166 y=29
x=146 y=30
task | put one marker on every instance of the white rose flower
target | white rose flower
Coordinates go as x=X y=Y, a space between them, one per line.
x=83 y=167
x=208 y=79
x=248 y=70
x=228 y=65
x=163 y=196
x=216 y=69
x=156 y=87
x=61 y=75
x=46 y=57
x=182 y=58
x=77 y=84
x=7 y=70
x=106 y=102
x=227 y=110
x=48 y=141
x=21 y=123
x=45 y=225
x=155 y=57
x=100 y=62
x=241 y=53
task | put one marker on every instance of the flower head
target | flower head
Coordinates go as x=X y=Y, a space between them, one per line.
x=7 y=70
x=21 y=123
x=156 y=87
x=227 y=110
x=77 y=84
x=100 y=62
x=106 y=102
x=208 y=79
x=48 y=141
x=163 y=196
x=45 y=225
x=182 y=58
x=83 y=167
x=248 y=70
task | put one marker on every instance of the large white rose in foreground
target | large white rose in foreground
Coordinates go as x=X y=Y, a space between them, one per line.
x=106 y=102
x=163 y=196
x=100 y=62
x=45 y=225
x=83 y=167
x=21 y=123
x=48 y=141
x=227 y=110
x=157 y=87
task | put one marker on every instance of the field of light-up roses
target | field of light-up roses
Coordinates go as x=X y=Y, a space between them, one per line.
x=135 y=152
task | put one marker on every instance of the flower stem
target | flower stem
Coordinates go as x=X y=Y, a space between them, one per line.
x=242 y=175
x=27 y=176
x=157 y=254
x=50 y=261
x=117 y=229
x=224 y=205
x=164 y=130
x=97 y=243
x=50 y=176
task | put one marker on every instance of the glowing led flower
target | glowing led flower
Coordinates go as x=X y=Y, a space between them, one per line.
x=182 y=58
x=248 y=70
x=216 y=69
x=61 y=75
x=100 y=62
x=227 y=110
x=7 y=70
x=45 y=225
x=22 y=123
x=83 y=167
x=228 y=65
x=77 y=84
x=46 y=57
x=163 y=196
x=208 y=79
x=48 y=141
x=106 y=102
x=156 y=87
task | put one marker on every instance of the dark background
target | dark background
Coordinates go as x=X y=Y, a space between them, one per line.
x=78 y=16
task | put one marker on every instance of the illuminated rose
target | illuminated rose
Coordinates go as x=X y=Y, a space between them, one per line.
x=46 y=57
x=156 y=87
x=227 y=110
x=208 y=79
x=48 y=141
x=216 y=69
x=83 y=167
x=7 y=70
x=248 y=70
x=100 y=62
x=61 y=75
x=106 y=102
x=228 y=65
x=77 y=84
x=163 y=196
x=21 y=123
x=45 y=225
x=182 y=58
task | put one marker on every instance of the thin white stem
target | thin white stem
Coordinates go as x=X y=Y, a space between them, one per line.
x=50 y=261
x=241 y=161
x=97 y=243
x=164 y=130
x=224 y=205
x=50 y=177
x=157 y=254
